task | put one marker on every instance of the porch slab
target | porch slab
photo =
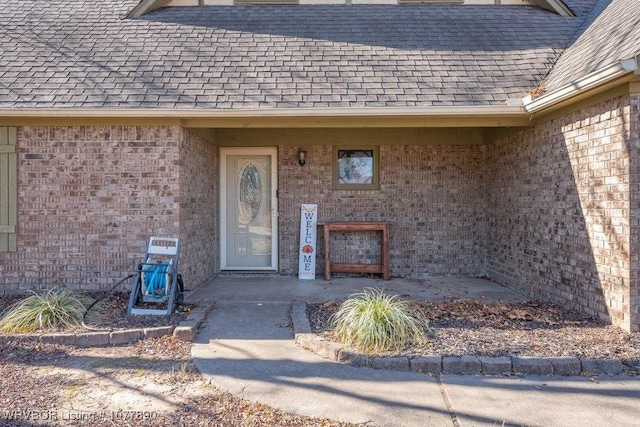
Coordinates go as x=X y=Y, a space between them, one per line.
x=274 y=288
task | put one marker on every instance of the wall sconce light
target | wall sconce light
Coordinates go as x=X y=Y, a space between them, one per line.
x=302 y=157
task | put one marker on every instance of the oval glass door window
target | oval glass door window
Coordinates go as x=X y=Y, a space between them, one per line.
x=250 y=194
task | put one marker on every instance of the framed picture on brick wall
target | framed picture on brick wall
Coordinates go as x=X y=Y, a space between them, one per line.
x=355 y=168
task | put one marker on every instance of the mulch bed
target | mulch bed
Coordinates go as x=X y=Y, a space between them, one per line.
x=458 y=327
x=478 y=328
x=113 y=309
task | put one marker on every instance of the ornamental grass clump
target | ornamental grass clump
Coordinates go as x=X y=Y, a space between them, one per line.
x=55 y=308
x=374 y=322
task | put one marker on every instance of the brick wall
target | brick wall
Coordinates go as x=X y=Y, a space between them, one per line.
x=559 y=211
x=198 y=209
x=433 y=194
x=88 y=199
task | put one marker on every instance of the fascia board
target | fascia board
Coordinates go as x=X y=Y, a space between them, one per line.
x=263 y=112
x=452 y=116
x=560 y=8
x=557 y=6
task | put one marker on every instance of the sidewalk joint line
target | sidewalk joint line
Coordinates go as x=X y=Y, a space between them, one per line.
x=447 y=402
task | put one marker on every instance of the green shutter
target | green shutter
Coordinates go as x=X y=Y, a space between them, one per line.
x=8 y=189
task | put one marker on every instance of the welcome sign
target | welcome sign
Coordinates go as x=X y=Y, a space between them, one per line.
x=308 y=237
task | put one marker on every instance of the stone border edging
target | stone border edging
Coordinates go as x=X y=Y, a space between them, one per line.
x=460 y=365
x=185 y=331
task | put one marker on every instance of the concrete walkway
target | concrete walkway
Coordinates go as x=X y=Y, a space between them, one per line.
x=246 y=348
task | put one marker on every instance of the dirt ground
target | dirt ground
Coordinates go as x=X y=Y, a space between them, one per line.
x=152 y=383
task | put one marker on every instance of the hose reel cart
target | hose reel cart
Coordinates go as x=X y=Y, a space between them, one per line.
x=157 y=282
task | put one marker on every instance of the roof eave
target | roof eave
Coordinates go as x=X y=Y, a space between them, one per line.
x=448 y=116
x=600 y=79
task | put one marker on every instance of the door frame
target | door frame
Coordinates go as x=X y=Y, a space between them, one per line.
x=235 y=151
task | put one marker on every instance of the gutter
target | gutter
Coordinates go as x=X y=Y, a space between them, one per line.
x=187 y=113
x=591 y=81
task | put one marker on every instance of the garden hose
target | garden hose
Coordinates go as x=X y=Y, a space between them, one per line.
x=100 y=298
x=155 y=279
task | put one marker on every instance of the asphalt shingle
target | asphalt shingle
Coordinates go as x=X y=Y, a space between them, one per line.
x=81 y=53
x=610 y=33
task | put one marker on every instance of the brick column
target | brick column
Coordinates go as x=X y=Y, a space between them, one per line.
x=632 y=305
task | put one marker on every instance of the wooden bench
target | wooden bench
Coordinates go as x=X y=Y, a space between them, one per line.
x=330 y=267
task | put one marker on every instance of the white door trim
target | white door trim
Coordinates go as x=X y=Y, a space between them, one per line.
x=235 y=151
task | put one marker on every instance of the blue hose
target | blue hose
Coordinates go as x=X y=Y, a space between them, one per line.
x=155 y=279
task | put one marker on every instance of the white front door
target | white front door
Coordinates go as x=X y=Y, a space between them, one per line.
x=249 y=217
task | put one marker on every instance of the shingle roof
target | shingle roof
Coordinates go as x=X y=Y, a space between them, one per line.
x=610 y=33
x=82 y=54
